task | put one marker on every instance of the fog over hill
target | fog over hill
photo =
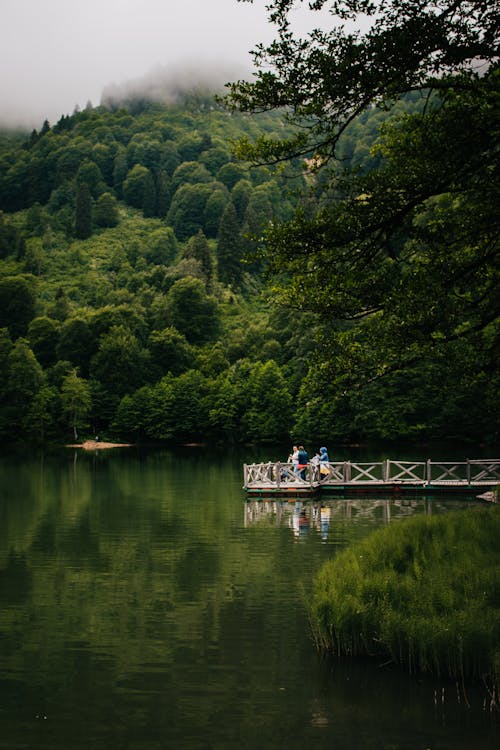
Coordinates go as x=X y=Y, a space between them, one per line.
x=168 y=84
x=62 y=54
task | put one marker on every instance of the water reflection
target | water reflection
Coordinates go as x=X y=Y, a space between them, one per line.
x=304 y=515
x=142 y=608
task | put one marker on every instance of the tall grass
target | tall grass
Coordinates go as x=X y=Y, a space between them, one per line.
x=424 y=593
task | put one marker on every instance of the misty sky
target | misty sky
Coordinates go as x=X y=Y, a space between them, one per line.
x=57 y=54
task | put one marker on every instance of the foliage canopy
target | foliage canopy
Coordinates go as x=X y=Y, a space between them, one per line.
x=401 y=259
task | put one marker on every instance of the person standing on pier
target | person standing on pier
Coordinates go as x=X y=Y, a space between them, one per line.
x=293 y=459
x=324 y=461
x=303 y=459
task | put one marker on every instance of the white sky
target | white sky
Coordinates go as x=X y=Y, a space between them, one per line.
x=56 y=54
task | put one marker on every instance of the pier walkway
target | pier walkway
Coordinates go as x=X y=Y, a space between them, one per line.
x=348 y=476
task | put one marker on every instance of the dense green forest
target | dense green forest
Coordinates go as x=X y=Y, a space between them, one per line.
x=126 y=306
x=135 y=302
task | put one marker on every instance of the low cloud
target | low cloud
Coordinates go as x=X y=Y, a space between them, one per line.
x=168 y=84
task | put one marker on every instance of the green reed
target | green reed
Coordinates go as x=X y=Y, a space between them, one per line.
x=424 y=593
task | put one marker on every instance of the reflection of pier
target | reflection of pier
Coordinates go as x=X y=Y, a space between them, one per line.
x=303 y=515
x=348 y=476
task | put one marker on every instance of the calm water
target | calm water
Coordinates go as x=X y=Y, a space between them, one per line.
x=145 y=605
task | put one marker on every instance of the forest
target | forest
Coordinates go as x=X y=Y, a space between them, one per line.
x=145 y=294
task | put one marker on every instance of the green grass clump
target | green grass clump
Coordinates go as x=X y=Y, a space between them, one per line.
x=424 y=593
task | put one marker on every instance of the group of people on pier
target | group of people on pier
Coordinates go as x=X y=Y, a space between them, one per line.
x=299 y=458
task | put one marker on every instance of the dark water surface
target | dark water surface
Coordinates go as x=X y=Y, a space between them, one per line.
x=145 y=605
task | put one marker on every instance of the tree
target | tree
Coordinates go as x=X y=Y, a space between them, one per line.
x=186 y=212
x=76 y=344
x=240 y=195
x=170 y=158
x=214 y=209
x=83 y=212
x=190 y=172
x=330 y=77
x=179 y=407
x=229 y=247
x=197 y=247
x=36 y=220
x=192 y=144
x=17 y=303
x=258 y=217
x=106 y=211
x=161 y=247
x=133 y=186
x=192 y=311
x=164 y=194
x=149 y=201
x=43 y=335
x=119 y=364
x=43 y=409
x=170 y=351
x=405 y=253
x=25 y=378
x=34 y=256
x=60 y=307
x=214 y=158
x=8 y=237
x=120 y=170
x=131 y=416
x=144 y=150
x=231 y=173
x=269 y=405
x=90 y=173
x=76 y=401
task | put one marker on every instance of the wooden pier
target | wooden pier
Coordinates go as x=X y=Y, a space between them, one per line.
x=394 y=476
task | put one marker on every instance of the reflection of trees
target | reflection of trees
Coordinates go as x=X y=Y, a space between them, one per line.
x=110 y=552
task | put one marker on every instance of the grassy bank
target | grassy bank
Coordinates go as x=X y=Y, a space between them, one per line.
x=424 y=593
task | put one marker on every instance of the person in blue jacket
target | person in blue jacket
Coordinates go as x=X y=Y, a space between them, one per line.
x=324 y=461
x=303 y=459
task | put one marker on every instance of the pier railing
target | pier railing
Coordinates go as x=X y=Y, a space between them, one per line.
x=278 y=475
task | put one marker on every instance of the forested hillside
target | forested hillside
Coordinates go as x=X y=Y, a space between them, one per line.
x=134 y=303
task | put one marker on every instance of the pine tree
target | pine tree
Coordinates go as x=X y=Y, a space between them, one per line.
x=163 y=194
x=229 y=247
x=197 y=247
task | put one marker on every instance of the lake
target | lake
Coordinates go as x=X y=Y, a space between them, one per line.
x=145 y=604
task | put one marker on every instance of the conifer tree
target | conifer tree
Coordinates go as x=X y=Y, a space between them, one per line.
x=120 y=169
x=229 y=247
x=163 y=194
x=197 y=247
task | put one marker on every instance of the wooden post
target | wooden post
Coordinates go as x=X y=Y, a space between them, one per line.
x=429 y=471
x=468 y=471
x=245 y=476
x=277 y=469
x=347 y=471
x=386 y=470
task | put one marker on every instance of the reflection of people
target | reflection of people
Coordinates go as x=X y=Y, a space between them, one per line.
x=324 y=522
x=303 y=459
x=300 y=521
